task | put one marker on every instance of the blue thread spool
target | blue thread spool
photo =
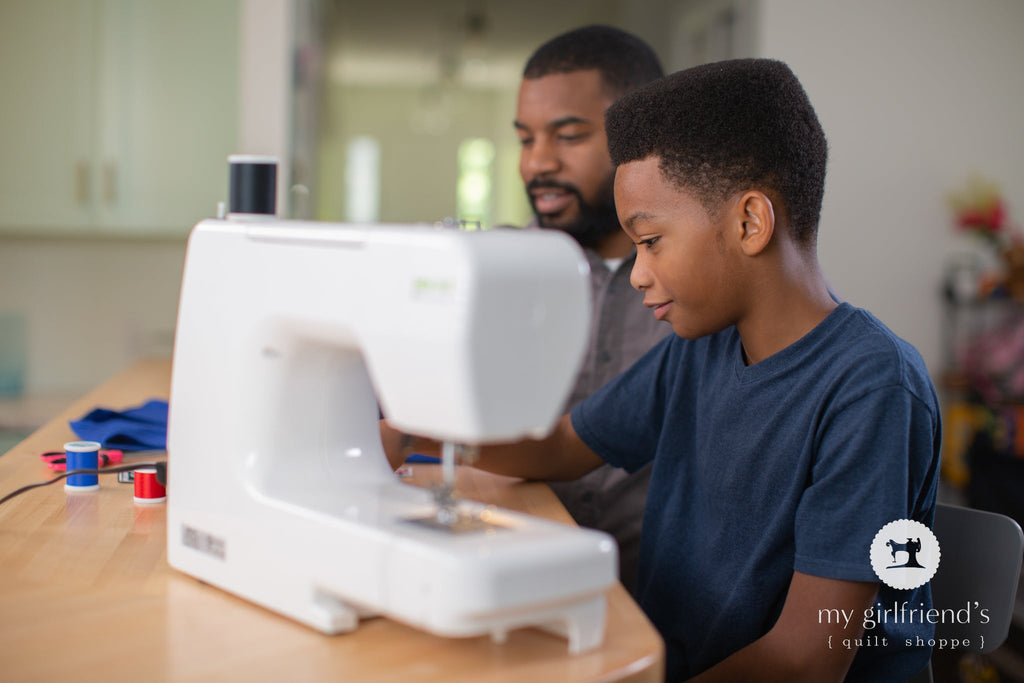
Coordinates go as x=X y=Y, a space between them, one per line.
x=82 y=455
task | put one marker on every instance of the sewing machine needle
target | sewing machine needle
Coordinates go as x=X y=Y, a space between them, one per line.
x=448 y=464
x=444 y=494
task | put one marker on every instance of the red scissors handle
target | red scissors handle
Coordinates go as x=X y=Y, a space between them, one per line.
x=57 y=460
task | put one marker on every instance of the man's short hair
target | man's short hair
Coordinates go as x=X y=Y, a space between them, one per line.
x=624 y=61
x=726 y=127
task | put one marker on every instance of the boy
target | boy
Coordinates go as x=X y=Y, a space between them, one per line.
x=785 y=428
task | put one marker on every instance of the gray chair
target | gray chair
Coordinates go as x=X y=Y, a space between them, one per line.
x=980 y=562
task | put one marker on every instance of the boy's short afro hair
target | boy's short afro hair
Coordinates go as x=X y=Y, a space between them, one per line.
x=625 y=61
x=726 y=127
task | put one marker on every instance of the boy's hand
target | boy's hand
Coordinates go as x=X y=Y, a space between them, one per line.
x=562 y=455
x=398 y=445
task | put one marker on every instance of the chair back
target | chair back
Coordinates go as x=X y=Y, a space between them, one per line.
x=979 y=569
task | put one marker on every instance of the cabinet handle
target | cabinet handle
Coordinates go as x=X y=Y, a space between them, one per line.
x=110 y=182
x=83 y=182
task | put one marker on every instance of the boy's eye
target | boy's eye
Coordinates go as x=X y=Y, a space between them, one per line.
x=649 y=242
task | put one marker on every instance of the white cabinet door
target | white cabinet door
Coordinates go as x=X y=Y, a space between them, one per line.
x=169 y=112
x=118 y=115
x=46 y=114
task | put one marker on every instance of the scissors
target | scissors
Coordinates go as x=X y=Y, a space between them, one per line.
x=57 y=460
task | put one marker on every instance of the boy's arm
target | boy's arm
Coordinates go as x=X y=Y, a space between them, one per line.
x=803 y=645
x=562 y=455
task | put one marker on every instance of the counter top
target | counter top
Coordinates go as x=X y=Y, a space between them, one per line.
x=85 y=590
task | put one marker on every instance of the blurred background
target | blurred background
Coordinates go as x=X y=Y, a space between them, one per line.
x=118 y=116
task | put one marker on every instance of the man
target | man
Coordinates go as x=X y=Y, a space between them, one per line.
x=567 y=85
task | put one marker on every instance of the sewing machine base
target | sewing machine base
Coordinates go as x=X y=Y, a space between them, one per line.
x=581 y=622
x=503 y=571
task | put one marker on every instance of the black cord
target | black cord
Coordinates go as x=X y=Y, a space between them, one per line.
x=161 y=476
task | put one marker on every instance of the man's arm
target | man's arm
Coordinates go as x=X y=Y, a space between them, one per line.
x=562 y=455
x=803 y=645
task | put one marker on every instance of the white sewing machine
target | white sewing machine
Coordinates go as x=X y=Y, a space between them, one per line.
x=279 y=491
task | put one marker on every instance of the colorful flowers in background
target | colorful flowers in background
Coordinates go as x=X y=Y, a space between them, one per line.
x=992 y=363
x=980 y=210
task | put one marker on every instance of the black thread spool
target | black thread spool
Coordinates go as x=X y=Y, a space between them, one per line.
x=253 y=184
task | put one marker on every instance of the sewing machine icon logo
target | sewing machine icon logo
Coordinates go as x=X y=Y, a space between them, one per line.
x=912 y=547
x=905 y=554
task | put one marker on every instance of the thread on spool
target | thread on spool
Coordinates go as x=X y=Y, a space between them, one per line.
x=147 y=489
x=252 y=184
x=82 y=455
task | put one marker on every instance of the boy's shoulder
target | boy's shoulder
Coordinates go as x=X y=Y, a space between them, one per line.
x=850 y=347
x=862 y=349
x=850 y=352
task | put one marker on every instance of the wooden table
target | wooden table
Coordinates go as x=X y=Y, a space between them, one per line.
x=86 y=593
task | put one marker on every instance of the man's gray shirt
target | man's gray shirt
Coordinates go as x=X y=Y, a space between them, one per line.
x=622 y=330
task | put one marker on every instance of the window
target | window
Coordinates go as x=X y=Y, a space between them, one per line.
x=362 y=180
x=474 y=185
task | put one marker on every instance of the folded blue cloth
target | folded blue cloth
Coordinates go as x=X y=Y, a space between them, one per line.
x=426 y=459
x=143 y=428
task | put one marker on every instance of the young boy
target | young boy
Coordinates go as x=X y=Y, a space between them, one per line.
x=785 y=428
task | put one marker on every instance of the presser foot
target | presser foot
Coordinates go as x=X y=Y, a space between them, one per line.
x=450 y=517
x=447 y=504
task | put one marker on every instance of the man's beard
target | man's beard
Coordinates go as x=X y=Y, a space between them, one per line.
x=595 y=220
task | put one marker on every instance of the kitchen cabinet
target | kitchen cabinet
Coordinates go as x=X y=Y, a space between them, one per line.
x=117 y=115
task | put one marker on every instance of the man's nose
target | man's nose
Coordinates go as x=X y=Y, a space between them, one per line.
x=541 y=157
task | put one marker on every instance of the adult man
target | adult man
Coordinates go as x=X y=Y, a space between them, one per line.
x=567 y=85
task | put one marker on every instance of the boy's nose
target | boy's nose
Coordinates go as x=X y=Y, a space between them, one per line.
x=640 y=276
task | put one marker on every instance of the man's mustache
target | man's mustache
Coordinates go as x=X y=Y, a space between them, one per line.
x=541 y=184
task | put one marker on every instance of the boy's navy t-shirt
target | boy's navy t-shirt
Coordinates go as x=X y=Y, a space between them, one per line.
x=793 y=463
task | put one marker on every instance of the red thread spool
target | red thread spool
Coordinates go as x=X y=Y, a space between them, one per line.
x=147 y=489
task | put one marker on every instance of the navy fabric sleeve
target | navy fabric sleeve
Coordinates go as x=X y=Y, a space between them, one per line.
x=875 y=465
x=622 y=420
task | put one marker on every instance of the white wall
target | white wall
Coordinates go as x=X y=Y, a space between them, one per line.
x=914 y=95
x=91 y=306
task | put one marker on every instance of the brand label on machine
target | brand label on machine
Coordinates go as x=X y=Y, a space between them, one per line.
x=203 y=542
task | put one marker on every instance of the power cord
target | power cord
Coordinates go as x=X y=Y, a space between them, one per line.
x=160 y=467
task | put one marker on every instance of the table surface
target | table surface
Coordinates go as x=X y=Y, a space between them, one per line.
x=85 y=589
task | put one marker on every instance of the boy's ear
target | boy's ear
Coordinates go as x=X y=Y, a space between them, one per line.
x=758 y=221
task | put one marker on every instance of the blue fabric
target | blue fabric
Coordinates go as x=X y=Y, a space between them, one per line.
x=143 y=428
x=794 y=463
x=425 y=459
